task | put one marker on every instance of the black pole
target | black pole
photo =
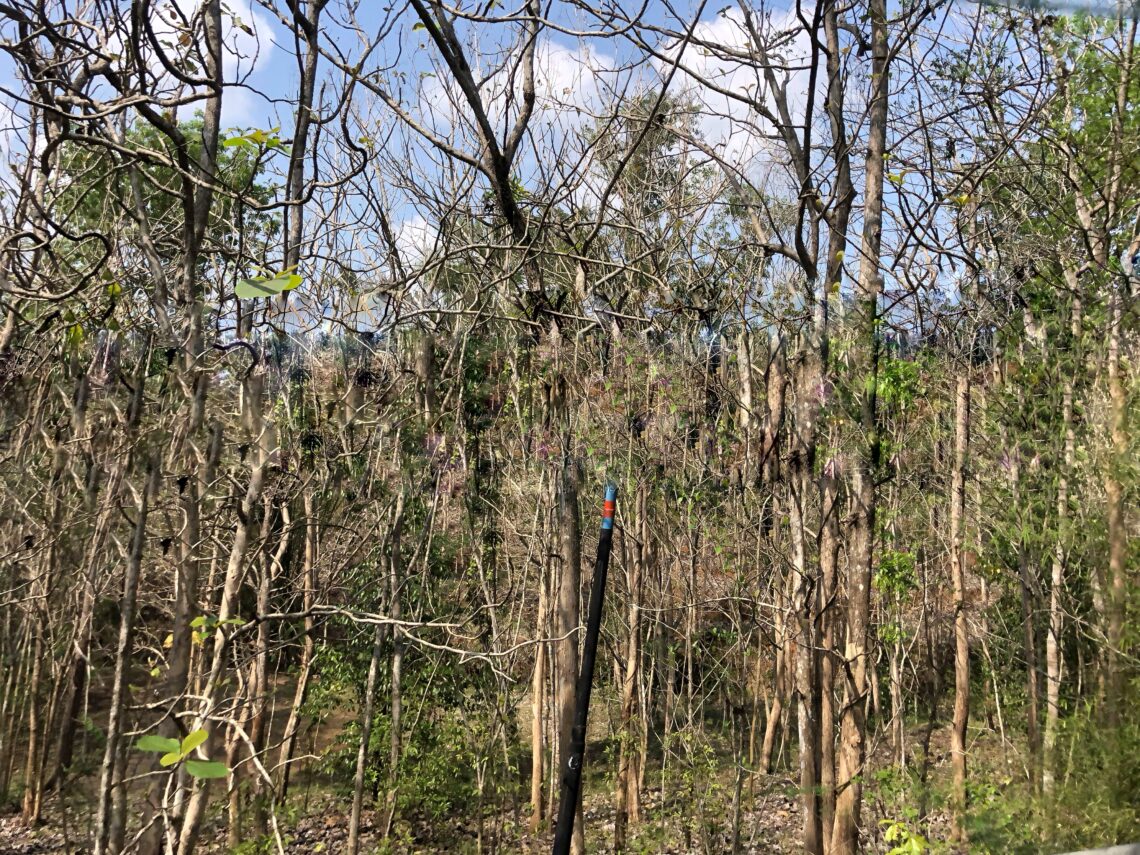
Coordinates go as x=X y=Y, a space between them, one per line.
x=572 y=766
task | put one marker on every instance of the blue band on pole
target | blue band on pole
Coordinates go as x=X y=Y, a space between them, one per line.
x=608 y=507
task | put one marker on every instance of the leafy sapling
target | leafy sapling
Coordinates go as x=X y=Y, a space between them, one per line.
x=175 y=752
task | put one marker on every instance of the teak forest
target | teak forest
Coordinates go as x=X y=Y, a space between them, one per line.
x=324 y=325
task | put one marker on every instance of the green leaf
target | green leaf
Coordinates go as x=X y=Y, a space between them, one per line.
x=235 y=141
x=285 y=282
x=198 y=622
x=170 y=759
x=252 y=289
x=418 y=25
x=206 y=769
x=153 y=742
x=193 y=740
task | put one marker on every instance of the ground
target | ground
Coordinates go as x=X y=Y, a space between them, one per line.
x=318 y=818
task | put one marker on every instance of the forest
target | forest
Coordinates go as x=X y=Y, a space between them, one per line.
x=324 y=326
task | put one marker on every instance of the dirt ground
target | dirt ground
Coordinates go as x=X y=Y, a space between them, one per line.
x=318 y=817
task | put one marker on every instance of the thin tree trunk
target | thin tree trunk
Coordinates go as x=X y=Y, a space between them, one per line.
x=898 y=706
x=81 y=664
x=805 y=602
x=369 y=707
x=1114 y=498
x=829 y=564
x=231 y=586
x=353 y=844
x=1029 y=654
x=395 y=581
x=1027 y=588
x=538 y=697
x=11 y=710
x=779 y=690
x=805 y=669
x=33 y=787
x=262 y=699
x=1053 y=650
x=308 y=594
x=537 y=743
x=759 y=702
x=566 y=616
x=39 y=724
x=626 y=784
x=109 y=840
x=849 y=778
x=961 y=627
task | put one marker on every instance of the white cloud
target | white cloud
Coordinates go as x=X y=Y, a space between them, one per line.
x=416 y=240
x=571 y=79
x=730 y=126
x=571 y=84
x=248 y=49
x=10 y=126
x=245 y=34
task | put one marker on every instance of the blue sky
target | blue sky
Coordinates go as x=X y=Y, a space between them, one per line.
x=580 y=76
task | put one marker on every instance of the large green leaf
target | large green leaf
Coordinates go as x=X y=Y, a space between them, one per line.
x=193 y=740
x=252 y=289
x=206 y=769
x=170 y=759
x=290 y=280
x=159 y=744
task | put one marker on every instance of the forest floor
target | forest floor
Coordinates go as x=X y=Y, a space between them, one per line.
x=770 y=824
x=691 y=822
x=695 y=817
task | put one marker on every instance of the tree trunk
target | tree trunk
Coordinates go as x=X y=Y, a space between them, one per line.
x=231 y=586
x=262 y=700
x=12 y=707
x=81 y=664
x=898 y=705
x=109 y=840
x=961 y=627
x=353 y=844
x=845 y=833
x=538 y=696
x=805 y=669
x=1029 y=654
x=780 y=687
x=539 y=678
x=567 y=615
x=1053 y=650
x=629 y=761
x=829 y=564
x=395 y=581
x=369 y=707
x=308 y=594
x=33 y=786
x=1114 y=498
